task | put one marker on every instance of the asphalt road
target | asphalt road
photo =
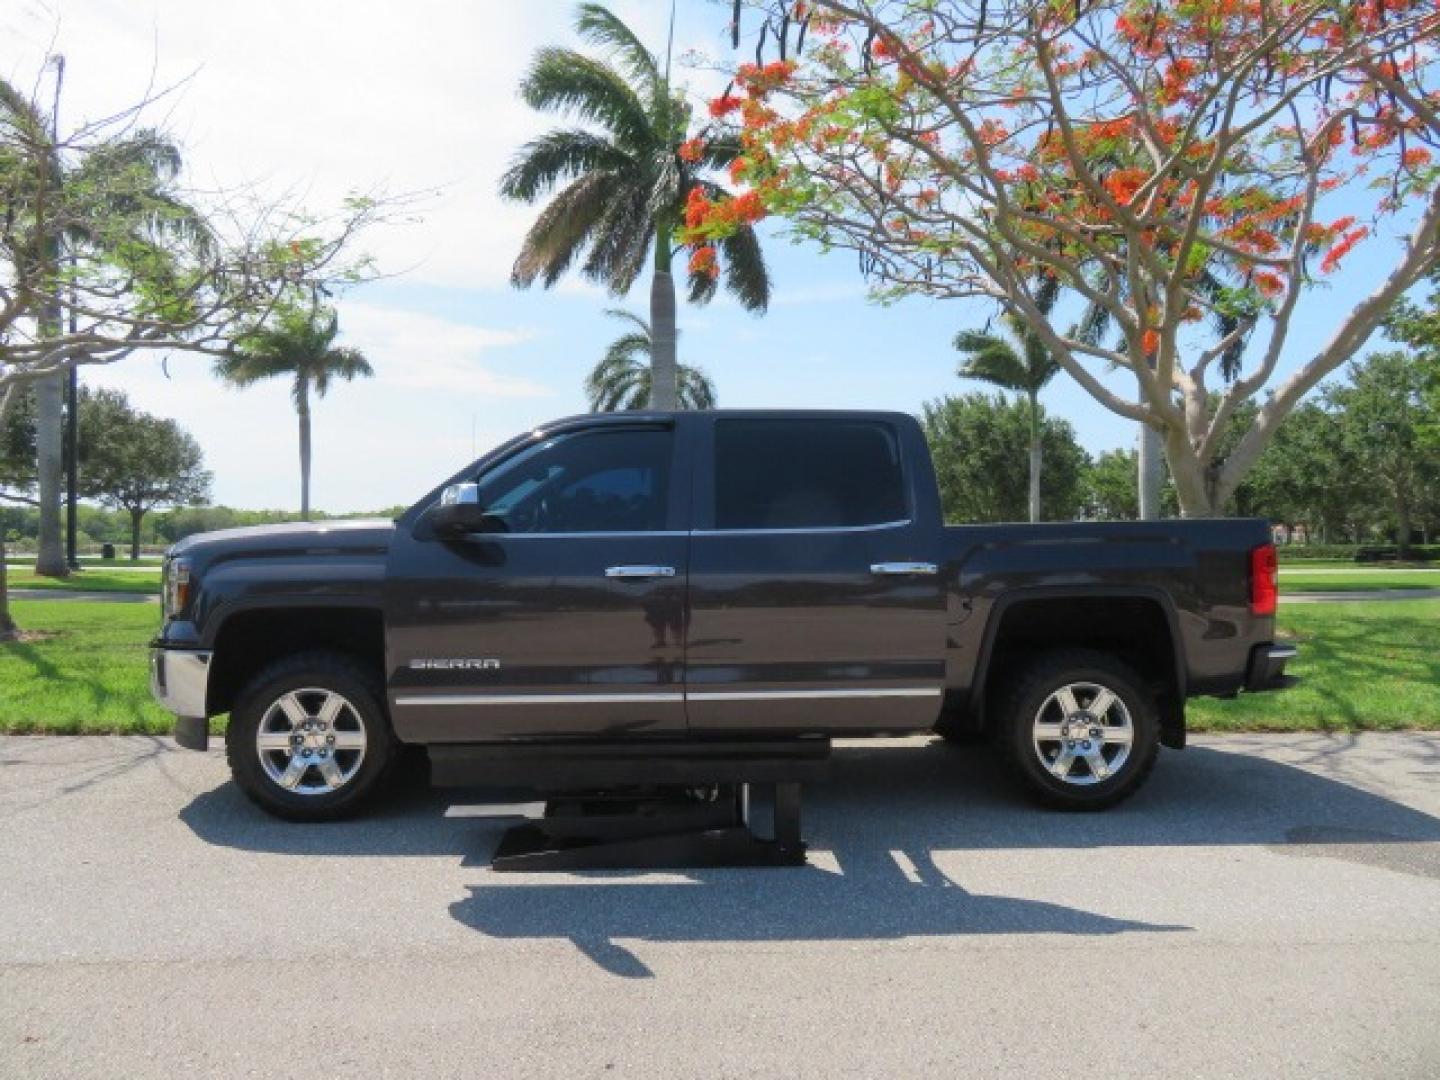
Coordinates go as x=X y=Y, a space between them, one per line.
x=1268 y=906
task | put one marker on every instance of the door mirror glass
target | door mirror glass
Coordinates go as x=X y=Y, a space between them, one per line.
x=459 y=510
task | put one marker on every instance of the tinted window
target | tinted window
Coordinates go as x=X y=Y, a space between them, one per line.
x=806 y=474
x=594 y=481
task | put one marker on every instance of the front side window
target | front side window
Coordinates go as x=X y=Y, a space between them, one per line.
x=807 y=474
x=590 y=481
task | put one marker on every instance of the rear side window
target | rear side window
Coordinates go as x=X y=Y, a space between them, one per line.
x=806 y=474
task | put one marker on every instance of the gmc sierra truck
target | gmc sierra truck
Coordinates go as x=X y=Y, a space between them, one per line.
x=652 y=578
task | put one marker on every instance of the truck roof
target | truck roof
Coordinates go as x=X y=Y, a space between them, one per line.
x=631 y=416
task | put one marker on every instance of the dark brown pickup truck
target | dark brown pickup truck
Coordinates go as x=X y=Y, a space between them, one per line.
x=648 y=579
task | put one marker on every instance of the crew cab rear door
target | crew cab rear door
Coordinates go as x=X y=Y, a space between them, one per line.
x=564 y=619
x=815 y=599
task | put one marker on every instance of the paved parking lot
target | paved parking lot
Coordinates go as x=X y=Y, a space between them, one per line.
x=1269 y=905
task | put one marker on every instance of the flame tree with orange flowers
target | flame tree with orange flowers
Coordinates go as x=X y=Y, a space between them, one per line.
x=1134 y=153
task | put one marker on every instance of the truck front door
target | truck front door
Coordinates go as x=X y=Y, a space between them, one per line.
x=565 y=616
x=815 y=601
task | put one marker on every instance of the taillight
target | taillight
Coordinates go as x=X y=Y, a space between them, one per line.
x=1264 y=580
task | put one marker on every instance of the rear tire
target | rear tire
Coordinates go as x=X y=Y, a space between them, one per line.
x=308 y=738
x=1078 y=730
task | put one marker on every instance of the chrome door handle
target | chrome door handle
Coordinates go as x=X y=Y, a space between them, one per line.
x=904 y=569
x=639 y=572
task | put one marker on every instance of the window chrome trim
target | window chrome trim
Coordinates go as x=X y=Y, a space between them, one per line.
x=664 y=697
x=539 y=699
x=671 y=533
x=813 y=531
x=798 y=695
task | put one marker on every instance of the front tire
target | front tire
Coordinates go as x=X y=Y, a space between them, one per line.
x=308 y=738
x=1078 y=730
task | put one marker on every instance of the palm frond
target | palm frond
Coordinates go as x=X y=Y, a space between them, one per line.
x=298 y=343
x=621 y=380
x=990 y=359
x=641 y=324
x=557 y=156
x=564 y=80
x=701 y=288
x=600 y=26
x=622 y=240
x=746 y=276
x=563 y=229
x=343 y=363
x=696 y=390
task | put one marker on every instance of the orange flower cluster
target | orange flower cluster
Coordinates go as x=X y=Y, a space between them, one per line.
x=1269 y=284
x=704 y=261
x=1177 y=79
x=1122 y=184
x=1347 y=243
x=759 y=81
x=692 y=150
x=702 y=212
x=993 y=133
x=724 y=105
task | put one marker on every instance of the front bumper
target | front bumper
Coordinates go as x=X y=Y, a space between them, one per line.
x=1266 y=670
x=179 y=680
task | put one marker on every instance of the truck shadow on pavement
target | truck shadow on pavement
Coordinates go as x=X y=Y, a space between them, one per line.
x=879 y=821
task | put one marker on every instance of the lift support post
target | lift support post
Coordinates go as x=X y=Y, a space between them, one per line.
x=647 y=806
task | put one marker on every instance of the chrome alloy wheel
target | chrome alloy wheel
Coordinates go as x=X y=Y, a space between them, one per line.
x=311 y=741
x=1083 y=734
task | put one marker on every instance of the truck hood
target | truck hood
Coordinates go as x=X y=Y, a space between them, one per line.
x=299 y=538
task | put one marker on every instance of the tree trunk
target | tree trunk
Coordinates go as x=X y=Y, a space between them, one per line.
x=1150 y=475
x=1195 y=488
x=663 y=388
x=1402 y=526
x=49 y=466
x=136 y=517
x=8 y=630
x=302 y=407
x=1035 y=452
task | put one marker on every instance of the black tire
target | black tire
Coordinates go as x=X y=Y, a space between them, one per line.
x=1020 y=707
x=331 y=672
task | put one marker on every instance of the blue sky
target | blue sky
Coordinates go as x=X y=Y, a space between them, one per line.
x=319 y=98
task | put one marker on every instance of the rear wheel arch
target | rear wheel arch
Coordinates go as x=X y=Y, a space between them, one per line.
x=1138 y=626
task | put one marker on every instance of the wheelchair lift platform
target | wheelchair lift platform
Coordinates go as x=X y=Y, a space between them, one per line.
x=672 y=805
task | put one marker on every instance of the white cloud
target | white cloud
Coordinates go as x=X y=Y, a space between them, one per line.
x=422 y=352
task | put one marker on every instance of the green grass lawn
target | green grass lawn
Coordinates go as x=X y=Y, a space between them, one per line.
x=88 y=674
x=1351 y=579
x=1363 y=666
x=90 y=580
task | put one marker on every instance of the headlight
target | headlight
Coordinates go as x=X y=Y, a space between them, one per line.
x=176 y=586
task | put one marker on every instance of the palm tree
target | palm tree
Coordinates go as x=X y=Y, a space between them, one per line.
x=621 y=380
x=1019 y=362
x=623 y=184
x=299 y=345
x=111 y=203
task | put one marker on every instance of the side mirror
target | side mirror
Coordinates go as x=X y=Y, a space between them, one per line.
x=459 y=510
